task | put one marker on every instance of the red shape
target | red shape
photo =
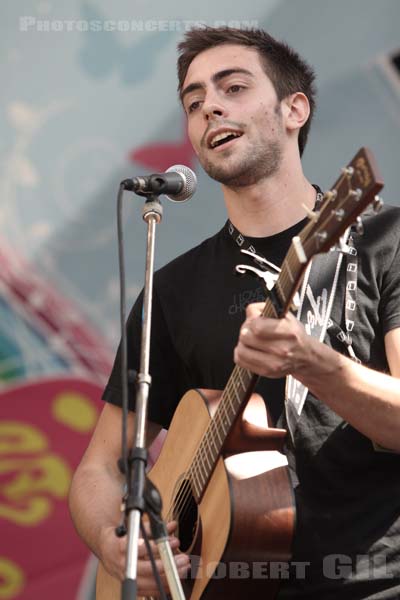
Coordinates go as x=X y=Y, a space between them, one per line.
x=158 y=157
x=49 y=553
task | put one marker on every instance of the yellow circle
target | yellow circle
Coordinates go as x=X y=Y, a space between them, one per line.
x=12 y=579
x=75 y=411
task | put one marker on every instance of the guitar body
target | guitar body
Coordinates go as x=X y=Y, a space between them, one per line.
x=244 y=519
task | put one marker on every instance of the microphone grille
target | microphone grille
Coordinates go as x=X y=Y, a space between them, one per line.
x=190 y=184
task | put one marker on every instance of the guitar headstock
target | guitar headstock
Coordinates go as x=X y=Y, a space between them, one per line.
x=355 y=189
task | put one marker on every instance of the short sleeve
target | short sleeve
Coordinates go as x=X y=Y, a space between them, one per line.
x=165 y=368
x=390 y=295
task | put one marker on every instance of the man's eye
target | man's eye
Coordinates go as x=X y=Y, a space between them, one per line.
x=193 y=106
x=235 y=88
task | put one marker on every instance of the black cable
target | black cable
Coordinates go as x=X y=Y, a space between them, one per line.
x=123 y=462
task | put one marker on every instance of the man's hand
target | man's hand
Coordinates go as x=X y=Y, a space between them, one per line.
x=113 y=556
x=273 y=347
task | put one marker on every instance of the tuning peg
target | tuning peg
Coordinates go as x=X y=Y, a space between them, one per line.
x=378 y=203
x=356 y=194
x=359 y=226
x=348 y=171
x=322 y=237
x=339 y=214
x=313 y=216
x=330 y=195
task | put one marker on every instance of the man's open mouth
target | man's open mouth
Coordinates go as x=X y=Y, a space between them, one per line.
x=222 y=138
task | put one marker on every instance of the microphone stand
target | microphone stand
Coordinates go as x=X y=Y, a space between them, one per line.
x=142 y=496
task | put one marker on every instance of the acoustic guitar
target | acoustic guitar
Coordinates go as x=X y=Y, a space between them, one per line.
x=221 y=472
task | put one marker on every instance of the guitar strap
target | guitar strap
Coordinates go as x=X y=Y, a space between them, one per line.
x=316 y=300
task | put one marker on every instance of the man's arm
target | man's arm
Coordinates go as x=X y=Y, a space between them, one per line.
x=95 y=498
x=367 y=399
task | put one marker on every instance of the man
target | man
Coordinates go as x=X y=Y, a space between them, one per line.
x=249 y=100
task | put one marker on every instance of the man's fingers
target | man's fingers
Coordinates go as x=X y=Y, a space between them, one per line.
x=171 y=526
x=256 y=331
x=146 y=581
x=254 y=310
x=144 y=566
x=148 y=586
x=142 y=549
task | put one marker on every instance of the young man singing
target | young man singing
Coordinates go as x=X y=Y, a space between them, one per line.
x=249 y=101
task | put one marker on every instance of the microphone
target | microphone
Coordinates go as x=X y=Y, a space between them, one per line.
x=178 y=183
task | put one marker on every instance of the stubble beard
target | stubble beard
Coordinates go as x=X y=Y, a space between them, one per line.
x=258 y=163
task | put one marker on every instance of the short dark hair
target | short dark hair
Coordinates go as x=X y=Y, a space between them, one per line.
x=288 y=72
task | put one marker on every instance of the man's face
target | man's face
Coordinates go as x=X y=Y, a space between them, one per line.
x=234 y=117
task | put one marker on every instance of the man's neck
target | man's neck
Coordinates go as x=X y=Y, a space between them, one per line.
x=270 y=206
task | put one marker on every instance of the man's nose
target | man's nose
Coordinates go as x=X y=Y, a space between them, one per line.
x=213 y=107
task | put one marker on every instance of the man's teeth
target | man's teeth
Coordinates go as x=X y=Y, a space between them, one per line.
x=222 y=136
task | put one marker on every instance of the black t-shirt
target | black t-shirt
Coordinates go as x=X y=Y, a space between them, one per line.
x=347 y=493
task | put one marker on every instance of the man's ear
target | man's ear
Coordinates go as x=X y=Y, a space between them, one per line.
x=296 y=110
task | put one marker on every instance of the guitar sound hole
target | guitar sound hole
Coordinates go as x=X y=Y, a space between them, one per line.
x=186 y=515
